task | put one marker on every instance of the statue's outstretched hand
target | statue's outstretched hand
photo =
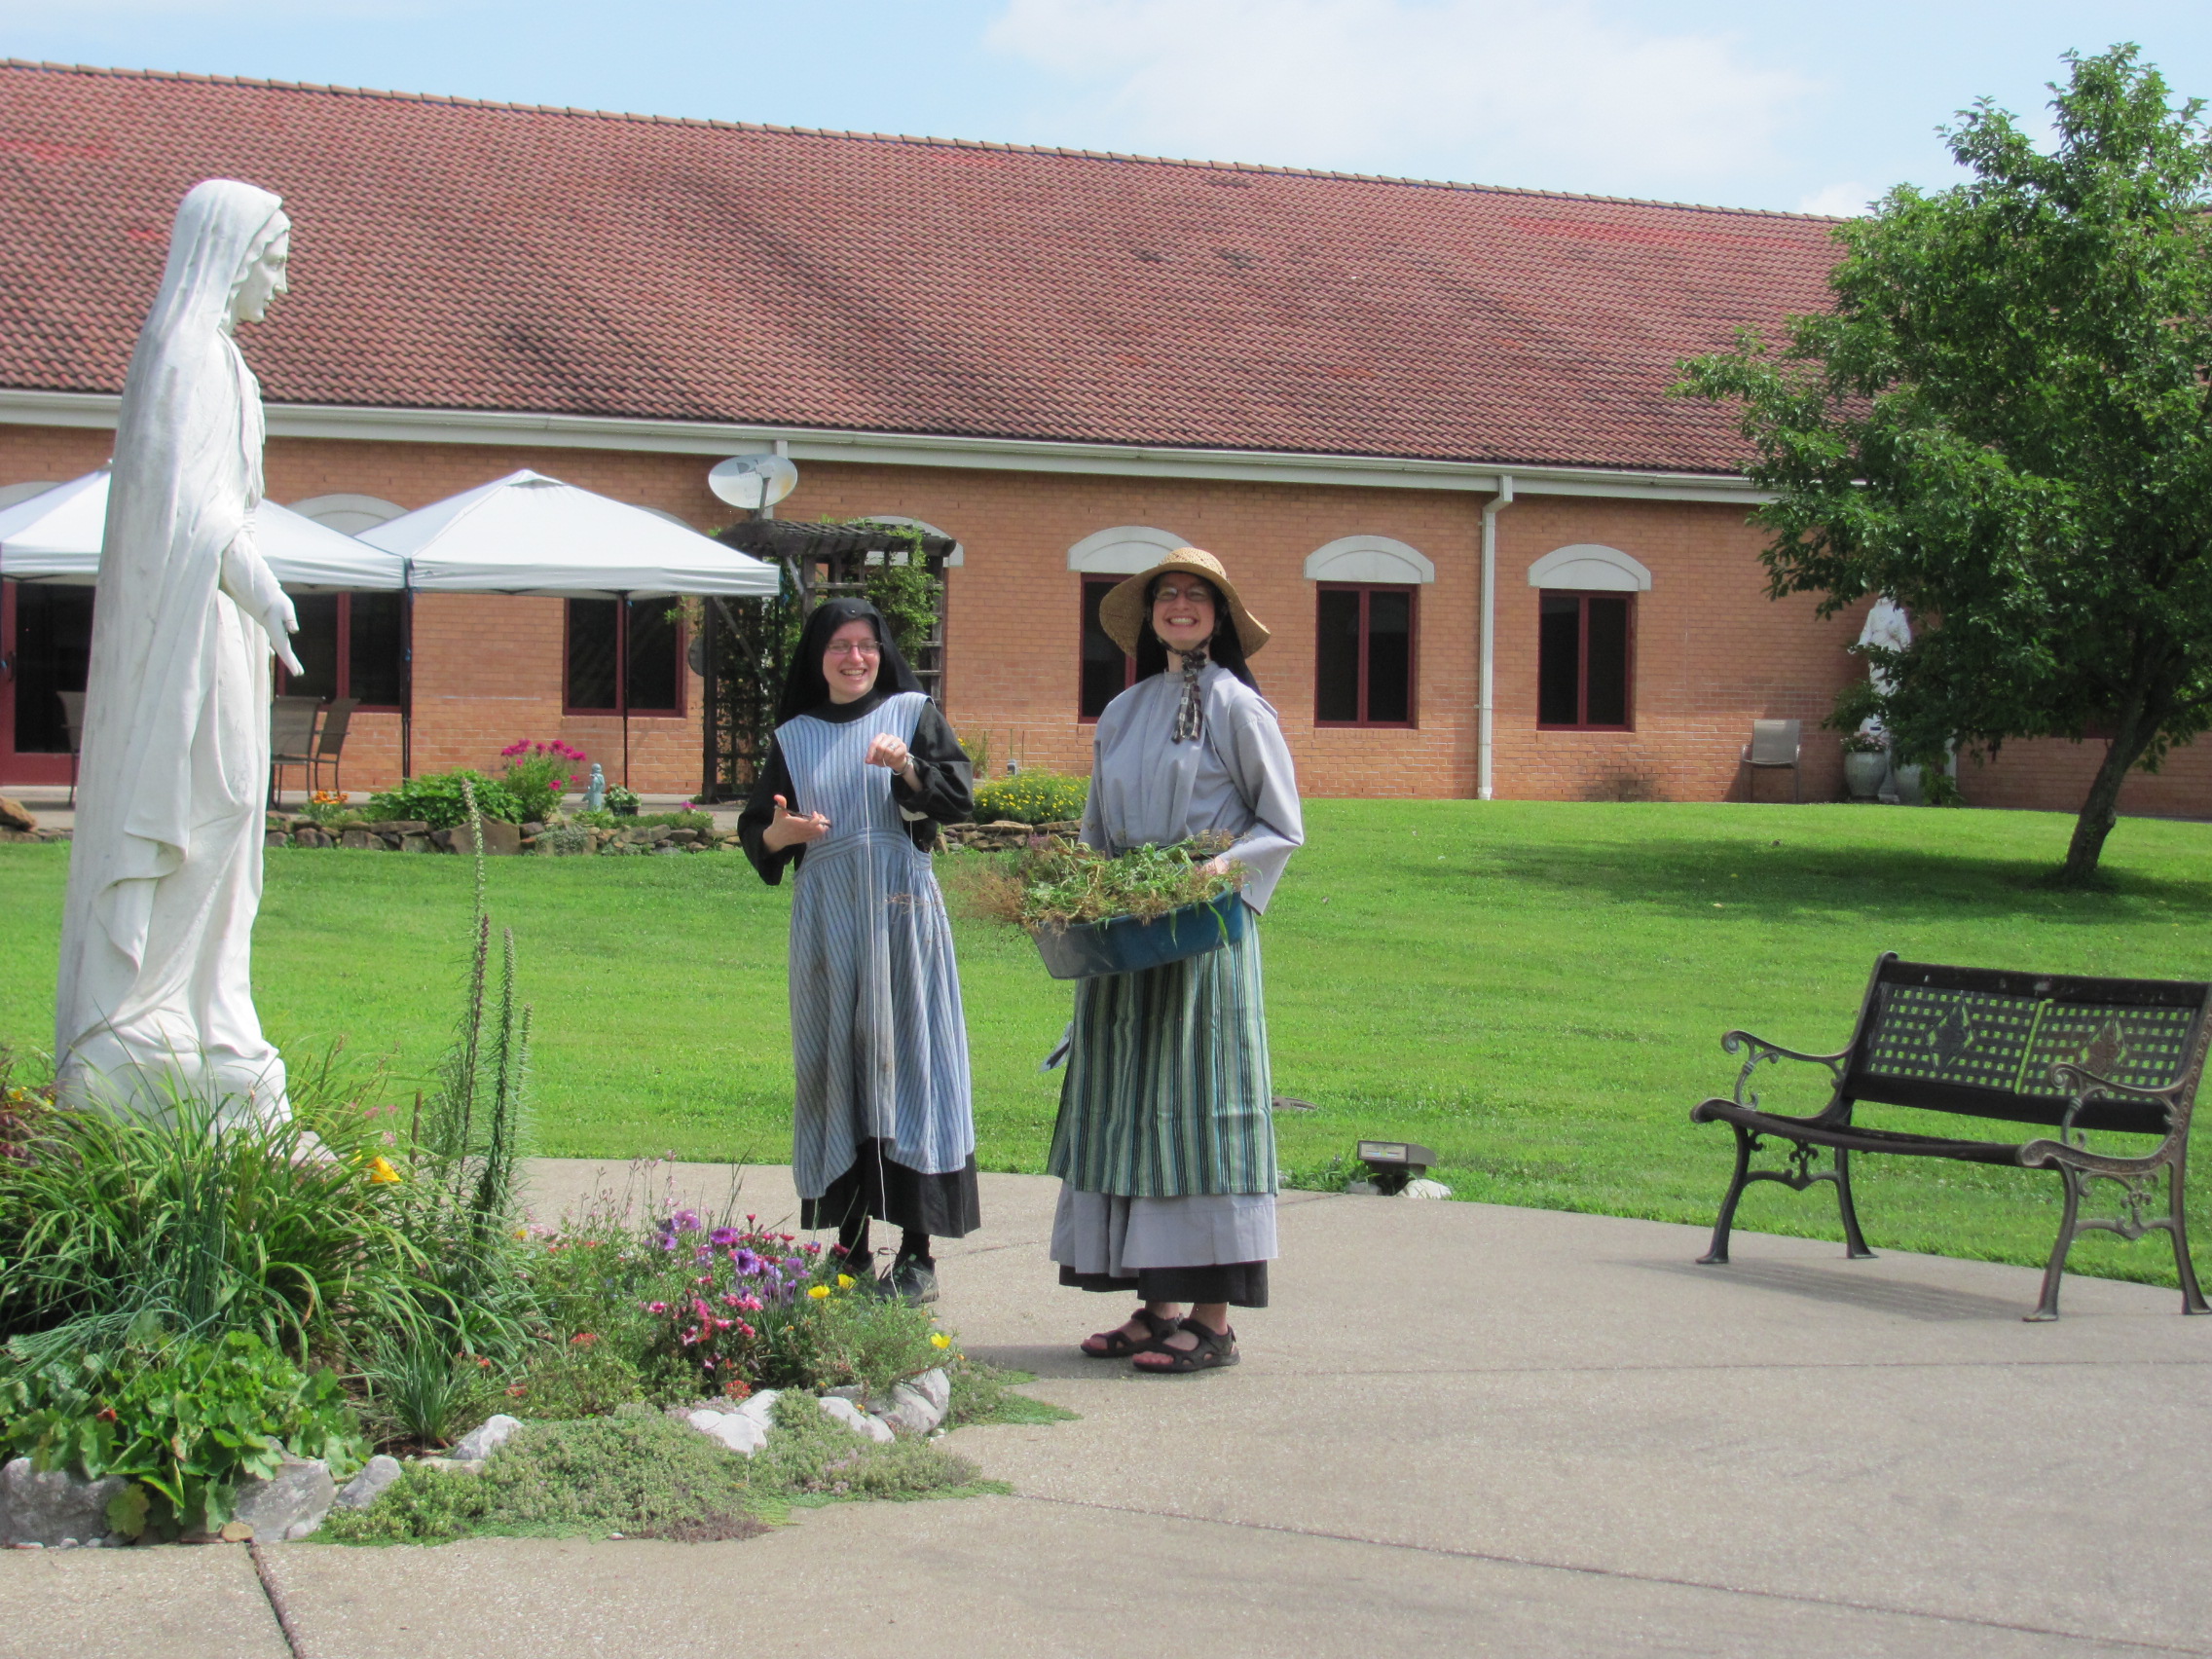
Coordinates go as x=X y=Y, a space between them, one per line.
x=248 y=580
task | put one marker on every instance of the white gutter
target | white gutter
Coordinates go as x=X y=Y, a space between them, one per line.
x=1483 y=697
x=908 y=449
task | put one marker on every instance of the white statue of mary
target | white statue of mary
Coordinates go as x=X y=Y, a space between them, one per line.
x=156 y=998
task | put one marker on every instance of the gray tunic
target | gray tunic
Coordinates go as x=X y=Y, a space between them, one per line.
x=1238 y=778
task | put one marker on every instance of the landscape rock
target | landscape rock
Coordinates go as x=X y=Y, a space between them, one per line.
x=762 y=1407
x=415 y=843
x=742 y=1434
x=360 y=840
x=499 y=839
x=48 y=1508
x=365 y=1488
x=15 y=815
x=452 y=1466
x=277 y=838
x=481 y=1442
x=1423 y=1188
x=290 y=1503
x=400 y=827
x=856 y=1419
x=308 y=835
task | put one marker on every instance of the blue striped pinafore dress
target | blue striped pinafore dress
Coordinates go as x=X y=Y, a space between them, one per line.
x=879 y=1048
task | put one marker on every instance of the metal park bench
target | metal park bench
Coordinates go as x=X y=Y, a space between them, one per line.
x=2072 y=1055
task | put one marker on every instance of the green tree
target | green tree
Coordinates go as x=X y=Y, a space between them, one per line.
x=2006 y=422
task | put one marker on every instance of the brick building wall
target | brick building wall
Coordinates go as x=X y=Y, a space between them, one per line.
x=1711 y=653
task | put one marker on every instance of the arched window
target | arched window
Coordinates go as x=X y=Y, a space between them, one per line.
x=1104 y=559
x=348 y=514
x=1365 y=614
x=1586 y=636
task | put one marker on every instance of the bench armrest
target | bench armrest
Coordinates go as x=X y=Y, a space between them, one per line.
x=1757 y=1049
x=2079 y=1084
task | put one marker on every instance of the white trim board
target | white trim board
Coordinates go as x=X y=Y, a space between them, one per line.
x=20 y=407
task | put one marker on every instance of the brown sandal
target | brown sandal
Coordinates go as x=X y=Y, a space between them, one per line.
x=1215 y=1350
x=1121 y=1347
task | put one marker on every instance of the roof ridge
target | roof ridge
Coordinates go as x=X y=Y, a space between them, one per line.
x=1259 y=169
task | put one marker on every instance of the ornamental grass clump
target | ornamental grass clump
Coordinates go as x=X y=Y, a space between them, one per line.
x=1055 y=883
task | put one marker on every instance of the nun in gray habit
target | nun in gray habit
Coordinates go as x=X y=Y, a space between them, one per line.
x=861 y=771
x=1166 y=1140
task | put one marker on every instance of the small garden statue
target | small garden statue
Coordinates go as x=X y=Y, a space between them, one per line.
x=155 y=1000
x=595 y=792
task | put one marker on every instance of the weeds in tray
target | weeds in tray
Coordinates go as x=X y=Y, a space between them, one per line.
x=1056 y=883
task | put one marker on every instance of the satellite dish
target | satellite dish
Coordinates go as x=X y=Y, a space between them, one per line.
x=753 y=481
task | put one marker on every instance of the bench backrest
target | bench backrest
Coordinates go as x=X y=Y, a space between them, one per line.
x=1982 y=1042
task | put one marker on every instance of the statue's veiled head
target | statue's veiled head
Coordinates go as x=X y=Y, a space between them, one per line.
x=227 y=257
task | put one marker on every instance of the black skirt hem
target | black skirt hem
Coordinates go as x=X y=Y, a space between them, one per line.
x=876 y=1185
x=1240 y=1285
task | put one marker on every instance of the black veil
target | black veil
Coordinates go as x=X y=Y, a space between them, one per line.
x=804 y=686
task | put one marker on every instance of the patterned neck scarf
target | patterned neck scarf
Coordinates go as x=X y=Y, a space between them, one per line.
x=1189 y=720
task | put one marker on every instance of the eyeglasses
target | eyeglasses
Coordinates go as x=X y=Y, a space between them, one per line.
x=854 y=648
x=1170 y=595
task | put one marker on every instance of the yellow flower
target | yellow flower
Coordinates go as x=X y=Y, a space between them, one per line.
x=846 y=1282
x=522 y=1233
x=939 y=1340
x=817 y=1291
x=381 y=1172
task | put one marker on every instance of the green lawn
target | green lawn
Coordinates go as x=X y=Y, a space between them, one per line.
x=1537 y=991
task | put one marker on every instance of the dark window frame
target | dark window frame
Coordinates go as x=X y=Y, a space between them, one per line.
x=1104 y=584
x=342 y=674
x=622 y=709
x=1583 y=597
x=1412 y=591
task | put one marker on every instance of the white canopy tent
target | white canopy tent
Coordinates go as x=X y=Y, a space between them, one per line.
x=56 y=537
x=527 y=533
x=530 y=533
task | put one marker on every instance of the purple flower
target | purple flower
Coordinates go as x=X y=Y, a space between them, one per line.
x=722 y=1237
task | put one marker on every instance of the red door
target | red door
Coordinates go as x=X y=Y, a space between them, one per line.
x=46 y=643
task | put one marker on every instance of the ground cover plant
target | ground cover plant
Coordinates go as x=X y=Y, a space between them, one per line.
x=1028 y=797
x=1536 y=990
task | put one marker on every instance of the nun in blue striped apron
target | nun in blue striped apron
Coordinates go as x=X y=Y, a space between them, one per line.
x=1166 y=1140
x=861 y=771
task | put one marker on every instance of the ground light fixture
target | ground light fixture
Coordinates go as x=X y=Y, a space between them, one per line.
x=1391 y=1165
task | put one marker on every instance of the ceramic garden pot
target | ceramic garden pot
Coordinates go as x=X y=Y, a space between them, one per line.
x=1908 y=787
x=1864 y=772
x=1126 y=944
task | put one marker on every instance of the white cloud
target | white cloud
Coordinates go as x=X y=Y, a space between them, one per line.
x=1505 y=92
x=1851 y=200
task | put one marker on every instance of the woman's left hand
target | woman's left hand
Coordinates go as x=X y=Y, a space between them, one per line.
x=1215 y=866
x=888 y=750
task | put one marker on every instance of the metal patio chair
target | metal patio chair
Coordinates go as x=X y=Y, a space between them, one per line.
x=73 y=716
x=330 y=740
x=291 y=740
x=1774 y=744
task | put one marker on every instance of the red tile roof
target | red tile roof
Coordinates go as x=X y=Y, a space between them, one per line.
x=458 y=255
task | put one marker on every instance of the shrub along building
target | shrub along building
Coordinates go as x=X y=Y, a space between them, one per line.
x=1358 y=393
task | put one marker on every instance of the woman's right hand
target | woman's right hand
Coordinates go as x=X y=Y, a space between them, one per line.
x=788 y=829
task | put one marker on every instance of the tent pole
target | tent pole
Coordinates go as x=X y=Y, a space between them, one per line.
x=407 y=667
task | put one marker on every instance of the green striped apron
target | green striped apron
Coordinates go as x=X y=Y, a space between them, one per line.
x=1167 y=1093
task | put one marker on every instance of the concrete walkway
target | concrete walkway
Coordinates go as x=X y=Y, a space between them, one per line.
x=1462 y=1429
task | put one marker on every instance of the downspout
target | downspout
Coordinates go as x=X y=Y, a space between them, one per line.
x=1489 y=676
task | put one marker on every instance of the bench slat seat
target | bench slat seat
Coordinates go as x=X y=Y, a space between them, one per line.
x=2069 y=1054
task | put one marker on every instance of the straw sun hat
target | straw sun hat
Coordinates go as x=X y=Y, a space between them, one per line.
x=1121 y=613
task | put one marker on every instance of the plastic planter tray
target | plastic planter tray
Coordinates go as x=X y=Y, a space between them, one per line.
x=1129 y=945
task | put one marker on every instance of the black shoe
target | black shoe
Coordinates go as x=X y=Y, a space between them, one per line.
x=913 y=1279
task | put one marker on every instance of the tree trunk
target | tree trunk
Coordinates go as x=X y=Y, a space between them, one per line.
x=2131 y=735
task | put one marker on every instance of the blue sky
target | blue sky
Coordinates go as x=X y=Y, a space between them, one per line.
x=1758 y=105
